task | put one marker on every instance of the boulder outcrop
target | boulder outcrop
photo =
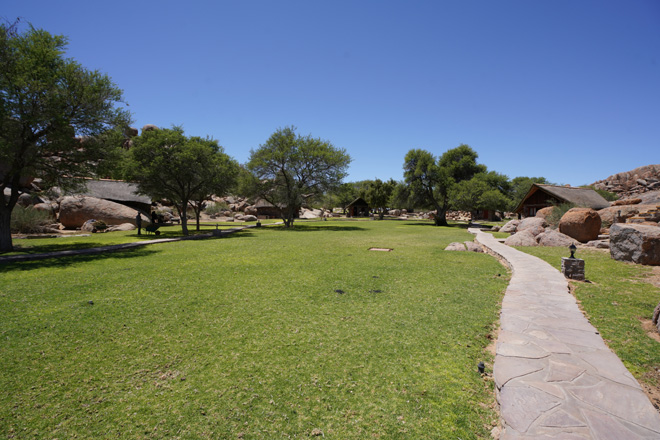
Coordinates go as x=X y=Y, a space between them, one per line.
x=510 y=226
x=554 y=238
x=545 y=212
x=629 y=183
x=637 y=243
x=610 y=215
x=456 y=246
x=74 y=211
x=535 y=225
x=582 y=224
x=473 y=247
x=523 y=238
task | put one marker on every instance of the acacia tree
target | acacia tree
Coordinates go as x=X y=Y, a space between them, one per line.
x=379 y=194
x=289 y=169
x=483 y=191
x=219 y=178
x=431 y=180
x=168 y=165
x=48 y=104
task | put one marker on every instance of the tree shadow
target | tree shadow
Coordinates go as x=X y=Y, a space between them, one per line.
x=451 y=225
x=308 y=227
x=60 y=261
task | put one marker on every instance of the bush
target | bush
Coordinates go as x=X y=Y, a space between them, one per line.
x=28 y=220
x=216 y=208
x=557 y=213
x=100 y=225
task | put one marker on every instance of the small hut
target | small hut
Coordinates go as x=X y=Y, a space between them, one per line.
x=358 y=208
x=265 y=209
x=541 y=196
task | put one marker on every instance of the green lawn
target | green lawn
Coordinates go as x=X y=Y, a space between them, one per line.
x=614 y=299
x=85 y=240
x=269 y=333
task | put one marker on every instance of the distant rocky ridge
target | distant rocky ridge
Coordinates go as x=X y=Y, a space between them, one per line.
x=632 y=183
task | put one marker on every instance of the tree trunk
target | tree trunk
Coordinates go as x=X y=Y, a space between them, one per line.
x=184 y=218
x=5 y=229
x=197 y=216
x=441 y=216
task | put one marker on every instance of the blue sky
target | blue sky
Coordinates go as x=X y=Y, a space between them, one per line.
x=568 y=90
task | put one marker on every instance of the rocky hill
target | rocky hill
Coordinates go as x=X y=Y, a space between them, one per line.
x=632 y=183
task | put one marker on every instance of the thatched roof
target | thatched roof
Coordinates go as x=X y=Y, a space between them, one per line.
x=263 y=203
x=359 y=202
x=585 y=197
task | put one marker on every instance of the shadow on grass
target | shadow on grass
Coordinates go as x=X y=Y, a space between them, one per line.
x=65 y=261
x=451 y=225
x=63 y=257
x=306 y=227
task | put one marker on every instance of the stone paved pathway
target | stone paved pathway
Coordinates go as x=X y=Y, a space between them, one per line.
x=555 y=377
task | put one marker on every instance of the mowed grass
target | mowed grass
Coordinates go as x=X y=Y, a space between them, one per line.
x=270 y=333
x=616 y=299
x=86 y=240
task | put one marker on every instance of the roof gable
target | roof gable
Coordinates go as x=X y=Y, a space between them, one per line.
x=585 y=197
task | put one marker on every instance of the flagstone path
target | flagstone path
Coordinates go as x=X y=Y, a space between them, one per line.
x=555 y=377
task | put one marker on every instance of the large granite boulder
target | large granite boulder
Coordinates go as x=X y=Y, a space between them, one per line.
x=473 y=247
x=608 y=215
x=122 y=227
x=510 y=227
x=554 y=238
x=583 y=224
x=523 y=238
x=627 y=202
x=76 y=210
x=45 y=207
x=310 y=213
x=637 y=243
x=545 y=212
x=456 y=246
x=535 y=225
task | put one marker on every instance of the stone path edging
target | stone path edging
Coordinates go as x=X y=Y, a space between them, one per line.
x=554 y=375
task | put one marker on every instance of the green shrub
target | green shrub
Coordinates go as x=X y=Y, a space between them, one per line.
x=28 y=220
x=100 y=225
x=216 y=208
x=557 y=213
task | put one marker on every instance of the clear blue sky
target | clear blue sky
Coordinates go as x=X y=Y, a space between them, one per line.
x=568 y=90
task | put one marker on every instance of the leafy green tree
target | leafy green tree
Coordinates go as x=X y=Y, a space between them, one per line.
x=520 y=187
x=401 y=196
x=219 y=178
x=343 y=195
x=168 y=165
x=483 y=191
x=431 y=180
x=379 y=195
x=289 y=169
x=55 y=116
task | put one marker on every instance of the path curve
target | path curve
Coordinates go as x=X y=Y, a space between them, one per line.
x=555 y=377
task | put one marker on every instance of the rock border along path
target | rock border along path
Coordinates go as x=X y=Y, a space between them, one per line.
x=555 y=377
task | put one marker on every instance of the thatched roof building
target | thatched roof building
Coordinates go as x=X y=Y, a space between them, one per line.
x=541 y=196
x=358 y=208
